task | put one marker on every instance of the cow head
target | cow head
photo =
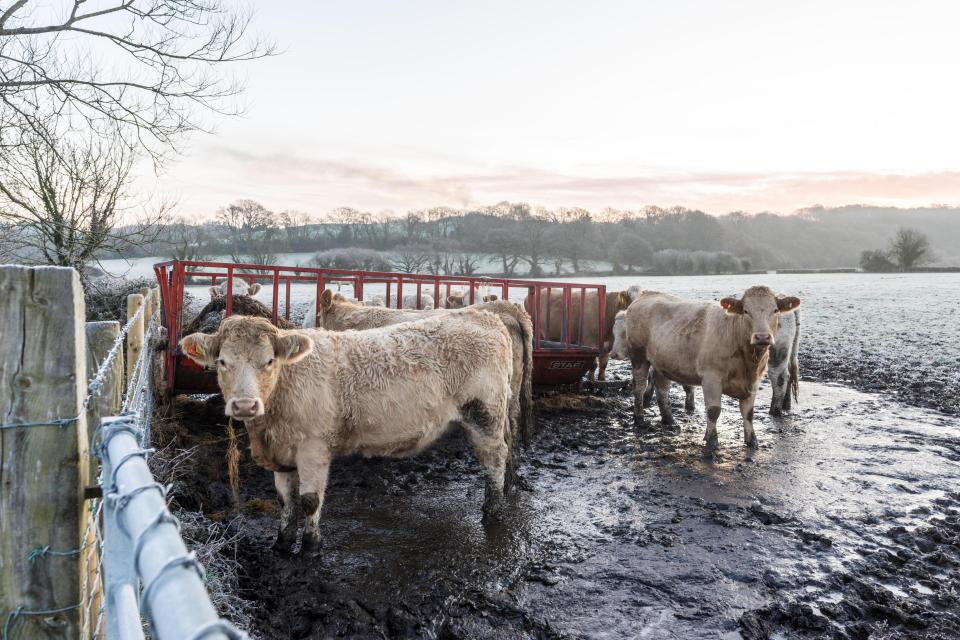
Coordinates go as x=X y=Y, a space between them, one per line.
x=240 y=288
x=455 y=301
x=619 y=349
x=761 y=309
x=248 y=353
x=328 y=302
x=490 y=297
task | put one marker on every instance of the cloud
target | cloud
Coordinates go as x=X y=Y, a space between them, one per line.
x=318 y=185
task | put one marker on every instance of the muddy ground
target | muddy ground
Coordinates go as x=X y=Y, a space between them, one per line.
x=845 y=524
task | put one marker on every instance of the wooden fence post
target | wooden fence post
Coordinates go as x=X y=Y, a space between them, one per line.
x=148 y=305
x=135 y=334
x=43 y=468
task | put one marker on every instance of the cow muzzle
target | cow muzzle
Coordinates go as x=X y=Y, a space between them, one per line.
x=242 y=408
x=761 y=339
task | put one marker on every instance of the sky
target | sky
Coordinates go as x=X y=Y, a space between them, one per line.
x=723 y=106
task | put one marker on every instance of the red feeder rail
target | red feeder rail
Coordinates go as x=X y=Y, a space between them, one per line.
x=559 y=362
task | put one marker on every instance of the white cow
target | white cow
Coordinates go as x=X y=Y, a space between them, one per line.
x=409 y=301
x=240 y=288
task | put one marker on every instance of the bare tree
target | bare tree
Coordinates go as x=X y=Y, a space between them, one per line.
x=187 y=239
x=467 y=264
x=505 y=245
x=910 y=248
x=411 y=258
x=68 y=202
x=167 y=76
x=296 y=224
x=251 y=227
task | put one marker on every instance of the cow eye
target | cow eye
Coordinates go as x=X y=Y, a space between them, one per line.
x=222 y=362
x=269 y=362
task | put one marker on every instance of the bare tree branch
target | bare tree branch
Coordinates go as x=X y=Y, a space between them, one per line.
x=165 y=81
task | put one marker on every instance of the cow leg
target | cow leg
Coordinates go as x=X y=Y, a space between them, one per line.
x=689 y=403
x=591 y=373
x=779 y=379
x=286 y=484
x=787 y=403
x=746 y=410
x=485 y=427
x=602 y=371
x=641 y=370
x=662 y=383
x=648 y=394
x=313 y=463
x=712 y=391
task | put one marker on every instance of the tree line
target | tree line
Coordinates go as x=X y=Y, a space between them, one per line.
x=517 y=238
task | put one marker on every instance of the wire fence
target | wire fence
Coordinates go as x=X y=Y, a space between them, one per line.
x=134 y=564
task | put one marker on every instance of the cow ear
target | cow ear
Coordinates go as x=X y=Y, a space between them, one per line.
x=787 y=304
x=623 y=300
x=326 y=298
x=291 y=347
x=202 y=348
x=254 y=289
x=214 y=293
x=733 y=306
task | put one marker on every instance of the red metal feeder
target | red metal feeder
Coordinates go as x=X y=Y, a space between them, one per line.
x=556 y=363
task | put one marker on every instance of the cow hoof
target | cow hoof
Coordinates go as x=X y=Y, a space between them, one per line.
x=522 y=484
x=492 y=505
x=713 y=443
x=312 y=543
x=284 y=543
x=776 y=412
x=668 y=422
x=690 y=408
x=753 y=443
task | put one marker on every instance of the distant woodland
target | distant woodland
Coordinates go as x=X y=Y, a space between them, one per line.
x=515 y=238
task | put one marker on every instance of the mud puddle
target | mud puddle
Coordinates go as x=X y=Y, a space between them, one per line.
x=845 y=523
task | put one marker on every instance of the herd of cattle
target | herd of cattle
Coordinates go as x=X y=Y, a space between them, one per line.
x=380 y=381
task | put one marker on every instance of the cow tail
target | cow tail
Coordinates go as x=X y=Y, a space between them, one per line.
x=527 y=419
x=795 y=360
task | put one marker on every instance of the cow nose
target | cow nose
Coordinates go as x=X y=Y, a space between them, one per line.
x=761 y=339
x=244 y=407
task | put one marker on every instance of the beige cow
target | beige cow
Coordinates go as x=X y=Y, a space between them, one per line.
x=240 y=288
x=721 y=347
x=461 y=300
x=551 y=322
x=309 y=396
x=339 y=314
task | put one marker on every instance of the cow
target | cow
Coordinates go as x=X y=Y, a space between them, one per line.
x=552 y=315
x=461 y=300
x=619 y=351
x=240 y=288
x=783 y=370
x=722 y=348
x=339 y=314
x=310 y=396
x=309 y=320
x=409 y=301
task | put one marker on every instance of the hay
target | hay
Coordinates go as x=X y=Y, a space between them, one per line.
x=233 y=466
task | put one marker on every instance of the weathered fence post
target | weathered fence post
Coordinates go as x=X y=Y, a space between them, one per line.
x=43 y=450
x=135 y=334
x=147 y=304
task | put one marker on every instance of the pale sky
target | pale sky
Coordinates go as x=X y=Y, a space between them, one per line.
x=752 y=105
